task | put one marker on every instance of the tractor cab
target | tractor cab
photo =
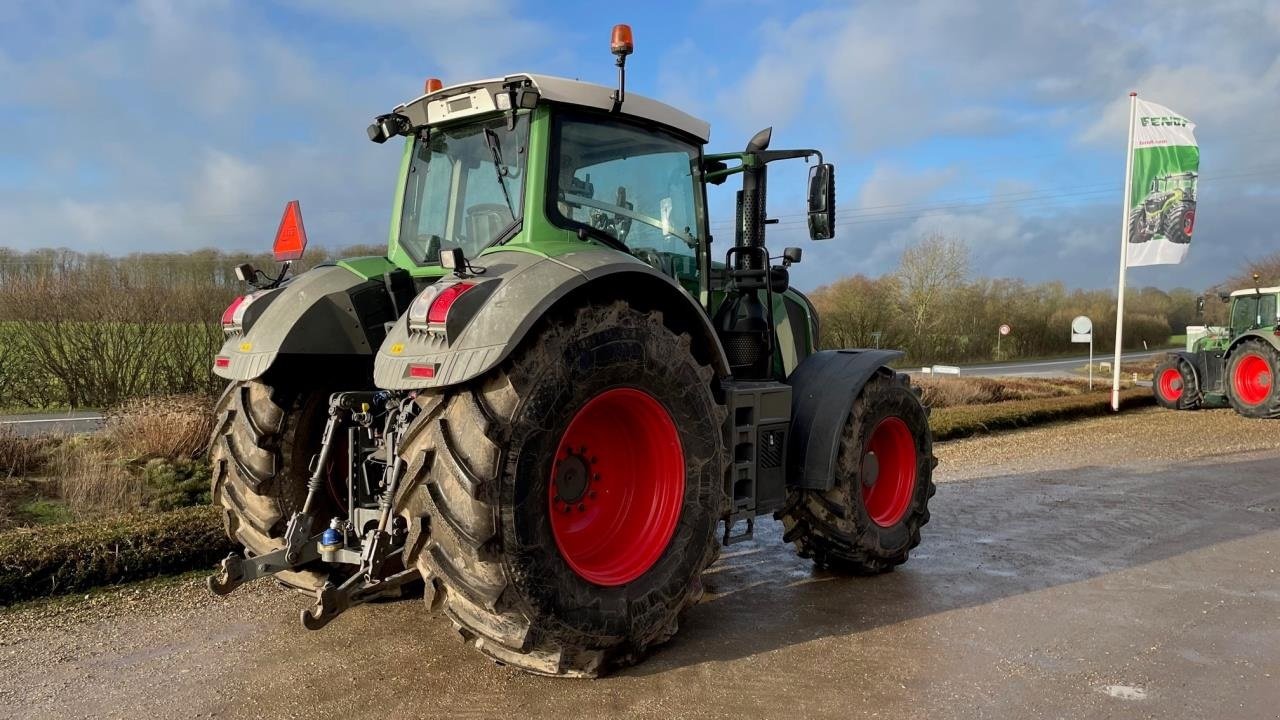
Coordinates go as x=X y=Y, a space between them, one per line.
x=1253 y=310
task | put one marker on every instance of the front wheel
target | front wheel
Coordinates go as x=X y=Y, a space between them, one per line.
x=1174 y=385
x=563 y=507
x=1251 y=379
x=871 y=519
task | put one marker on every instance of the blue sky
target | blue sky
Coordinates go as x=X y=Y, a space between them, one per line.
x=156 y=125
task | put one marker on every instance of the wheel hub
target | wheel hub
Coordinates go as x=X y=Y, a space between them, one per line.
x=573 y=478
x=870 y=469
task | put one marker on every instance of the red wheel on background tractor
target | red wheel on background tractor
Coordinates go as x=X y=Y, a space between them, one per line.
x=1174 y=384
x=1251 y=383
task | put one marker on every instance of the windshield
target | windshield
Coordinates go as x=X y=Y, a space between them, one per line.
x=465 y=188
x=631 y=184
x=1251 y=311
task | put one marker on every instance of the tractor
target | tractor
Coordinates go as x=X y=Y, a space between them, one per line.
x=1168 y=210
x=553 y=400
x=1236 y=365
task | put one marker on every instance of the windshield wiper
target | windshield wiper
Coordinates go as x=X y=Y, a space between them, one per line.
x=491 y=139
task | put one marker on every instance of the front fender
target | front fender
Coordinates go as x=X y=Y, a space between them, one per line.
x=326 y=312
x=528 y=287
x=823 y=389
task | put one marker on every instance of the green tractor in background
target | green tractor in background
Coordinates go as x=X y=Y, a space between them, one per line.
x=1237 y=365
x=545 y=400
x=1168 y=210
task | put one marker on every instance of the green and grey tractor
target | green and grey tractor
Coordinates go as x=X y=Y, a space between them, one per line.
x=1236 y=365
x=553 y=400
x=1168 y=210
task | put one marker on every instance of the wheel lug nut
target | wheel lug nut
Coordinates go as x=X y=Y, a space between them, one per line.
x=592 y=495
x=582 y=508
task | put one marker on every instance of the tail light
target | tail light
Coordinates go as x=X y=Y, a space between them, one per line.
x=233 y=316
x=432 y=306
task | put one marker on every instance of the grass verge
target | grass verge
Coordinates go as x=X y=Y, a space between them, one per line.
x=962 y=421
x=57 y=559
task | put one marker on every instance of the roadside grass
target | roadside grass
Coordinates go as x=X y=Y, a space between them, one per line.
x=949 y=423
x=939 y=391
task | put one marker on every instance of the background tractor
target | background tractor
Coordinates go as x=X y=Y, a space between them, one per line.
x=1169 y=210
x=1236 y=365
x=545 y=400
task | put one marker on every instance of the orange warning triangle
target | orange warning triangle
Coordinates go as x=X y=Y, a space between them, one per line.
x=291 y=238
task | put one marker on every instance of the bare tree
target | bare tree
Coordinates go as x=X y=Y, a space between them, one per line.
x=930 y=272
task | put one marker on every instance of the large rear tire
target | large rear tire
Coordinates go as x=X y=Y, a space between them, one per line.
x=262 y=442
x=563 y=507
x=1251 y=381
x=869 y=522
x=1174 y=385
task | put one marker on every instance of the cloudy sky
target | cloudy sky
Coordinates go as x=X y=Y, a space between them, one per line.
x=177 y=125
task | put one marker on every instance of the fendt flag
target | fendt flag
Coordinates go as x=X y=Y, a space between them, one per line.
x=1162 y=197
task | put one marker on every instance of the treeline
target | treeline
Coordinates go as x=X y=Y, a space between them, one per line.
x=88 y=330
x=933 y=309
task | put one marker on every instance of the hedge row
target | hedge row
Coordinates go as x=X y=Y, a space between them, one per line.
x=963 y=421
x=57 y=559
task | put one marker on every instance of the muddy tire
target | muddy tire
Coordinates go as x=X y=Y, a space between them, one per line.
x=1137 y=226
x=1251 y=381
x=1174 y=385
x=262 y=441
x=533 y=493
x=860 y=528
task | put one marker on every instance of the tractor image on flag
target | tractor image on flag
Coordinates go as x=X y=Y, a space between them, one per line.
x=554 y=399
x=1168 y=210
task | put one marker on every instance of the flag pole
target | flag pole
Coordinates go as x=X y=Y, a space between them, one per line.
x=1124 y=254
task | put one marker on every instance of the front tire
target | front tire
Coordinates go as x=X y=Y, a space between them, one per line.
x=1251 y=379
x=518 y=485
x=870 y=520
x=1174 y=385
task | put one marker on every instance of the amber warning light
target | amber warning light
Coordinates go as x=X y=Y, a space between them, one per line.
x=432 y=85
x=620 y=43
x=291 y=238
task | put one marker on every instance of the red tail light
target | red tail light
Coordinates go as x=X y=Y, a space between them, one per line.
x=432 y=306
x=222 y=361
x=425 y=372
x=229 y=315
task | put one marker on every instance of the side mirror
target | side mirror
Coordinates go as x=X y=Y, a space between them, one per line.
x=792 y=255
x=1224 y=296
x=822 y=201
x=1200 y=307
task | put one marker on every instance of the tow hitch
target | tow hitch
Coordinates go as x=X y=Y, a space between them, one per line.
x=367 y=542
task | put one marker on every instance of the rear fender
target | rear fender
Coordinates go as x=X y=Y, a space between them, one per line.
x=519 y=289
x=823 y=389
x=1196 y=362
x=324 y=315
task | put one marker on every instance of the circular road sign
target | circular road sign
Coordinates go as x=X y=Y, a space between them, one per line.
x=1005 y=329
x=1082 y=325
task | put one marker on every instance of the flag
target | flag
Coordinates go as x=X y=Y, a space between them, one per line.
x=1162 y=201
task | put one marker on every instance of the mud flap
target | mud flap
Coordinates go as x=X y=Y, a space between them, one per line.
x=823 y=389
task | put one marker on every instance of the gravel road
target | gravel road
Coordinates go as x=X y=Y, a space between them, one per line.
x=1117 y=567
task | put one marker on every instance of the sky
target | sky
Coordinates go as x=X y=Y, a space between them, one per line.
x=150 y=125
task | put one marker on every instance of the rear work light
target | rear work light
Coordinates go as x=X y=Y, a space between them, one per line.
x=431 y=308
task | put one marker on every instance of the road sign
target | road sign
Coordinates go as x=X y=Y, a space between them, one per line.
x=1081 y=330
x=1005 y=329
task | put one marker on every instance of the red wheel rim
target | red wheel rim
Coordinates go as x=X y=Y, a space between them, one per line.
x=617 y=486
x=889 y=472
x=1189 y=222
x=1171 y=384
x=1252 y=380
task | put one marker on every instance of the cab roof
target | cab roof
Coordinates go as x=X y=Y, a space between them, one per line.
x=479 y=97
x=1261 y=291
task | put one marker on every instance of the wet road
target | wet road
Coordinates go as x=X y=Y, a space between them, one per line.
x=1049 y=587
x=74 y=421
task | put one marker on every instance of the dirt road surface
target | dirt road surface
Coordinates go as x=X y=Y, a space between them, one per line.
x=1114 y=568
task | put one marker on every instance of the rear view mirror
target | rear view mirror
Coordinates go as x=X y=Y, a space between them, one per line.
x=822 y=201
x=1200 y=307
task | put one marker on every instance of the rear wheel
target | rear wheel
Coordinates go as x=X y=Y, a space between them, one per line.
x=869 y=522
x=1180 y=222
x=1174 y=385
x=262 y=442
x=1251 y=379
x=563 y=508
